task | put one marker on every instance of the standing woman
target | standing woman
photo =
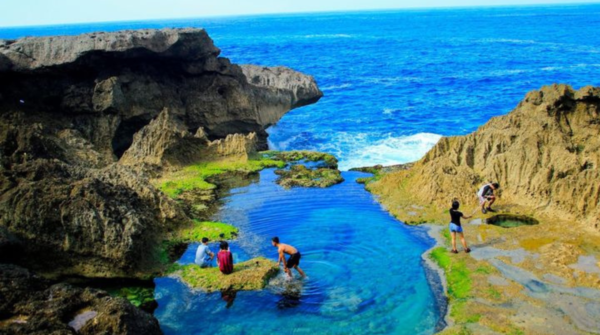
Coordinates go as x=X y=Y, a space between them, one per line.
x=456 y=227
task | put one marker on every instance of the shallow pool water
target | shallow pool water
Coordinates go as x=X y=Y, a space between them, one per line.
x=511 y=221
x=365 y=271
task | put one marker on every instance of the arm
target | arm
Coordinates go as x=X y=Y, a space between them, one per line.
x=281 y=257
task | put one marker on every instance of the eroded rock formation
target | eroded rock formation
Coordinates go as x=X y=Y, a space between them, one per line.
x=545 y=154
x=31 y=305
x=83 y=119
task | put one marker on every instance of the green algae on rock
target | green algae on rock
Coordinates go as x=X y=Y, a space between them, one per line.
x=300 y=175
x=323 y=174
x=247 y=276
x=303 y=155
x=211 y=230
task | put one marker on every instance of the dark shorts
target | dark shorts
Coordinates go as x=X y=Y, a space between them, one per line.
x=294 y=260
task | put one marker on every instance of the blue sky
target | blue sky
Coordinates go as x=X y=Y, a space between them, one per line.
x=44 y=12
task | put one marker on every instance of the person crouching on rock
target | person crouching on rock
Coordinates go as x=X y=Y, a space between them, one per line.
x=225 y=259
x=293 y=261
x=486 y=193
x=203 y=255
x=455 y=226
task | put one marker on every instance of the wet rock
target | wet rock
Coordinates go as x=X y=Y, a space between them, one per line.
x=30 y=305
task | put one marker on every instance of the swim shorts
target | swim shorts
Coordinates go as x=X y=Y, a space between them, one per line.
x=293 y=260
x=454 y=228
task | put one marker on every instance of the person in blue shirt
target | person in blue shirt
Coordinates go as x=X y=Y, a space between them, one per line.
x=203 y=255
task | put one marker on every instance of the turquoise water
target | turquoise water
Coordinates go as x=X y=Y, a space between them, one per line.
x=364 y=268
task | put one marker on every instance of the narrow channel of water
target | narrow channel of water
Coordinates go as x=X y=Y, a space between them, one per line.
x=365 y=272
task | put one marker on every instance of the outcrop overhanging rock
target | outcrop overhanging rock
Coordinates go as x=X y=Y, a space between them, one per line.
x=72 y=106
x=545 y=154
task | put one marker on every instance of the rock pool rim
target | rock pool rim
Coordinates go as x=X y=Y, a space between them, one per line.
x=522 y=220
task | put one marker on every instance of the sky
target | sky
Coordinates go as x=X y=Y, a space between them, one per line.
x=47 y=12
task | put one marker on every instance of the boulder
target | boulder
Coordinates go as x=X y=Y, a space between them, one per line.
x=31 y=305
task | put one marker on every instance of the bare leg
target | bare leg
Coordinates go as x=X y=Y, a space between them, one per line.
x=453 y=240
x=300 y=271
x=491 y=199
x=288 y=271
x=463 y=241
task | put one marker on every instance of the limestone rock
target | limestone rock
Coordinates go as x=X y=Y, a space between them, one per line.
x=166 y=142
x=545 y=154
x=30 y=305
x=86 y=120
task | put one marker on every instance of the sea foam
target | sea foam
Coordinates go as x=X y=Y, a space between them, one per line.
x=389 y=151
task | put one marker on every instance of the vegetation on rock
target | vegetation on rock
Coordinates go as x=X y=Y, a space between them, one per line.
x=250 y=275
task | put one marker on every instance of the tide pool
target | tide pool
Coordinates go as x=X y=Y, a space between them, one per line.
x=365 y=272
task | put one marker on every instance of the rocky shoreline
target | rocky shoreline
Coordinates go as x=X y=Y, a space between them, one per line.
x=88 y=124
x=526 y=279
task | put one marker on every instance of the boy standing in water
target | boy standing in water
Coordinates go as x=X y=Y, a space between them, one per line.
x=486 y=193
x=456 y=228
x=293 y=261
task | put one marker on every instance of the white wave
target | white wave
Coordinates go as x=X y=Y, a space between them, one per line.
x=335 y=87
x=389 y=151
x=328 y=36
x=508 y=40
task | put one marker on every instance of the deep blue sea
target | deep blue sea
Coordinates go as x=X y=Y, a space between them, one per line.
x=394 y=82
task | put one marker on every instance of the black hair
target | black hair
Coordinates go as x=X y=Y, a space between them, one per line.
x=496 y=185
x=275 y=239
x=204 y=239
x=224 y=245
x=455 y=204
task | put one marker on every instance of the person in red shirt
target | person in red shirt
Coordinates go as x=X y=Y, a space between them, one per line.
x=225 y=259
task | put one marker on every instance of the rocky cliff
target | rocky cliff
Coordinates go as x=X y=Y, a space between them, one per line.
x=545 y=154
x=86 y=120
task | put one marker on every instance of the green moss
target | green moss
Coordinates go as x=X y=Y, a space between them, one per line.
x=250 y=275
x=211 y=230
x=137 y=296
x=457 y=274
x=458 y=278
x=300 y=175
x=302 y=155
x=197 y=176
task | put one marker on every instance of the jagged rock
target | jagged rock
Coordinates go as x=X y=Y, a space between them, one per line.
x=81 y=131
x=94 y=222
x=545 y=154
x=129 y=77
x=166 y=142
x=30 y=305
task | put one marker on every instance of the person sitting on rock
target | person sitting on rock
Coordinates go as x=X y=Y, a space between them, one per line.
x=203 y=255
x=293 y=261
x=456 y=227
x=225 y=259
x=486 y=193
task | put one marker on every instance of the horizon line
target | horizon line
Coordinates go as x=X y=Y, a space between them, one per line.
x=433 y=8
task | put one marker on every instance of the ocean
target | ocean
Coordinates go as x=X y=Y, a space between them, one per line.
x=395 y=81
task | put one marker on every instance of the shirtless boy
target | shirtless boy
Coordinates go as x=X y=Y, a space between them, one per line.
x=293 y=261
